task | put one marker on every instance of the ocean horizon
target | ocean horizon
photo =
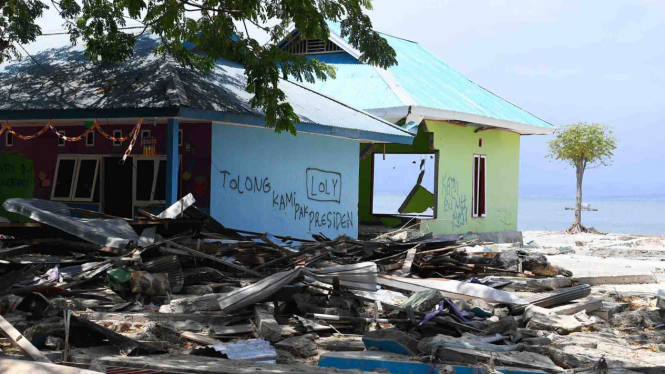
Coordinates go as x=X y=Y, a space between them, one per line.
x=620 y=214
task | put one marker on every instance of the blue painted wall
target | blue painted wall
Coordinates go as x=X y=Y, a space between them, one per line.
x=293 y=186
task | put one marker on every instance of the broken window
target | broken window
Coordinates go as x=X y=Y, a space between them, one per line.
x=75 y=178
x=86 y=178
x=403 y=184
x=64 y=177
x=479 y=186
x=150 y=180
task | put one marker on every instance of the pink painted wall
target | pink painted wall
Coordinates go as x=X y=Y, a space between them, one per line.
x=195 y=157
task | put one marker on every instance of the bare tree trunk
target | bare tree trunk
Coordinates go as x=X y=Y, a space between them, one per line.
x=578 y=201
x=577 y=227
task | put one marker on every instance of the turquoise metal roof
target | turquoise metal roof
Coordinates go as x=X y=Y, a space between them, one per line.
x=420 y=79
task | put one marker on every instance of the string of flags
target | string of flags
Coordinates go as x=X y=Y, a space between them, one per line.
x=90 y=127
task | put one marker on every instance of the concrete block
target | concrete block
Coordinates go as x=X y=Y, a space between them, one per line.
x=267 y=326
x=660 y=299
x=576 y=307
x=547 y=284
x=608 y=310
x=391 y=341
x=563 y=325
x=531 y=311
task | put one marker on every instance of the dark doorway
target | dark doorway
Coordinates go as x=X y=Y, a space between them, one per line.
x=118 y=187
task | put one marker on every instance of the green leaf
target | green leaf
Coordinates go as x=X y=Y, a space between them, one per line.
x=217 y=29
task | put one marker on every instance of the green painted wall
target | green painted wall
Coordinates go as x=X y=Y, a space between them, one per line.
x=17 y=179
x=456 y=146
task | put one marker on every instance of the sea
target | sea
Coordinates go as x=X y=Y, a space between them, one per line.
x=622 y=215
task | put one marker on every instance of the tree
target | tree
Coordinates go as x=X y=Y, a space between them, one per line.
x=583 y=146
x=220 y=31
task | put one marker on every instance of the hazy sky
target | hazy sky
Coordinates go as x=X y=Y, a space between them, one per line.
x=564 y=61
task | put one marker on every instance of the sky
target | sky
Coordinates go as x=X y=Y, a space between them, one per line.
x=564 y=61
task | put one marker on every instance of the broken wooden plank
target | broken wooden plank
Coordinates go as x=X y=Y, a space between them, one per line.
x=292 y=255
x=616 y=279
x=410 y=256
x=201 y=339
x=26 y=367
x=125 y=344
x=210 y=319
x=20 y=342
x=451 y=288
x=196 y=253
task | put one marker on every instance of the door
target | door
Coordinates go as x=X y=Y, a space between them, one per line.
x=118 y=187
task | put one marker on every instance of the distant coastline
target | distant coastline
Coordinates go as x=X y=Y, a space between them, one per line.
x=621 y=214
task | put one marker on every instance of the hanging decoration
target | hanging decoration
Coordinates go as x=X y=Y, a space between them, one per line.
x=93 y=127
x=90 y=127
x=131 y=144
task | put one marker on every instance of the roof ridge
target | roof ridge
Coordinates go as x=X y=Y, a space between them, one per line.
x=175 y=91
x=397 y=37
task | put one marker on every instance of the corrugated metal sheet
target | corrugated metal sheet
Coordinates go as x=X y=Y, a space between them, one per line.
x=114 y=233
x=169 y=265
x=429 y=81
x=149 y=81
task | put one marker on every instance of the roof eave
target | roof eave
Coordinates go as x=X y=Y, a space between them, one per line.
x=396 y=113
x=77 y=113
x=304 y=127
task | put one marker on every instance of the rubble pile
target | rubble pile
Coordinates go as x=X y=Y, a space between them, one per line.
x=179 y=292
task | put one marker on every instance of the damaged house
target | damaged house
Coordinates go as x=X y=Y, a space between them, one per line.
x=137 y=136
x=461 y=172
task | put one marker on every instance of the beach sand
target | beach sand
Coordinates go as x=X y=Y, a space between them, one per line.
x=596 y=254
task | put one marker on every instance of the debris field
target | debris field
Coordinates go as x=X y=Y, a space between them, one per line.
x=178 y=292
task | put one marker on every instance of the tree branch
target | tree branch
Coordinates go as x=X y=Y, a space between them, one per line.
x=220 y=9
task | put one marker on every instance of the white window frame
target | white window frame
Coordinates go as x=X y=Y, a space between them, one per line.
x=8 y=142
x=152 y=200
x=475 y=187
x=55 y=177
x=90 y=135
x=76 y=178
x=117 y=134
x=74 y=184
x=61 y=142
